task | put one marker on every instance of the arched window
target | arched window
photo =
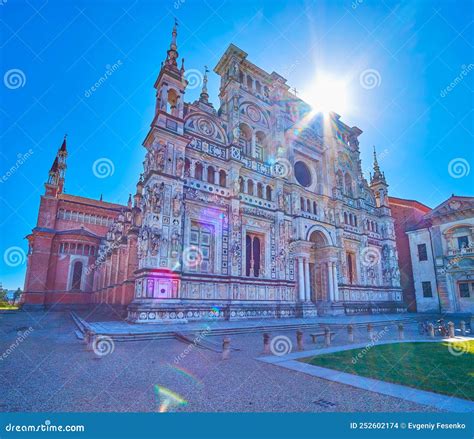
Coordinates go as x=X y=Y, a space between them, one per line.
x=269 y=193
x=76 y=275
x=308 y=206
x=198 y=171
x=241 y=183
x=260 y=144
x=172 y=102
x=249 y=81
x=259 y=190
x=245 y=138
x=345 y=218
x=355 y=221
x=340 y=180
x=315 y=208
x=348 y=184
x=302 y=203
x=210 y=174
x=250 y=187
x=187 y=168
x=222 y=178
x=241 y=77
x=258 y=87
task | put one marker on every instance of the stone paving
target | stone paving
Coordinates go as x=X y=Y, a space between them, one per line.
x=49 y=369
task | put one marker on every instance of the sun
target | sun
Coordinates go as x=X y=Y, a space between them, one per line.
x=327 y=94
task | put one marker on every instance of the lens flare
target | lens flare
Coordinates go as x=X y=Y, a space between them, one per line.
x=167 y=399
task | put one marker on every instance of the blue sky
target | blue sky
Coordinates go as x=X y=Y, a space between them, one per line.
x=418 y=114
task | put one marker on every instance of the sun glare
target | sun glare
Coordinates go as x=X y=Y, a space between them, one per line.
x=327 y=94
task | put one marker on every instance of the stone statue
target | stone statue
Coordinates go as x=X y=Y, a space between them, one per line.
x=177 y=203
x=179 y=167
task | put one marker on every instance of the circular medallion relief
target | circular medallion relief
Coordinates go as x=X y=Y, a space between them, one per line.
x=253 y=113
x=206 y=127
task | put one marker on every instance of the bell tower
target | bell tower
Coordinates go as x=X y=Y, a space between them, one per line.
x=57 y=174
x=378 y=184
x=160 y=191
x=170 y=88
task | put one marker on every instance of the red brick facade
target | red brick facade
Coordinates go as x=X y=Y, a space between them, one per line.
x=67 y=261
x=406 y=213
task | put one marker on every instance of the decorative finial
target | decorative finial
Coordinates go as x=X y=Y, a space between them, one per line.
x=173 y=50
x=204 y=96
x=100 y=197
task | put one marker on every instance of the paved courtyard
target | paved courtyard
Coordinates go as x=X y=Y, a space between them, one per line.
x=49 y=369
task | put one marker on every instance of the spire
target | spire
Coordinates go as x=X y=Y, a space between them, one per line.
x=204 y=96
x=378 y=176
x=63 y=146
x=173 y=50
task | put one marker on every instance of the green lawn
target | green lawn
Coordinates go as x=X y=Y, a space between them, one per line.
x=426 y=366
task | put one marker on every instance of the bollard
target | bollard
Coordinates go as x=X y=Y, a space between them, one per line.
x=299 y=340
x=462 y=325
x=431 y=330
x=451 y=330
x=370 y=331
x=350 y=333
x=327 y=336
x=226 y=348
x=266 y=343
x=401 y=333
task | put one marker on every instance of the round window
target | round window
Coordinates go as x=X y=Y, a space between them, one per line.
x=302 y=174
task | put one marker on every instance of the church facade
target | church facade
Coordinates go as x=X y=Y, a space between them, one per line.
x=256 y=209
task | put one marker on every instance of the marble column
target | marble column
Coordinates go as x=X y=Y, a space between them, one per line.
x=301 y=279
x=336 y=287
x=306 y=280
x=330 y=281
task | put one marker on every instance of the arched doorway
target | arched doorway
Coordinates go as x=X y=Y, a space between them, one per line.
x=77 y=275
x=318 y=267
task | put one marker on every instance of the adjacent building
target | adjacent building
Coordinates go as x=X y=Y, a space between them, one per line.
x=407 y=214
x=442 y=255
